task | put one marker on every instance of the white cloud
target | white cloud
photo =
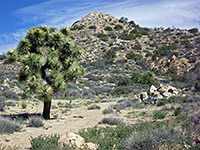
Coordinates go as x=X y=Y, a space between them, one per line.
x=149 y=13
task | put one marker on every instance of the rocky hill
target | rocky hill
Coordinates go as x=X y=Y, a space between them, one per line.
x=160 y=48
x=120 y=55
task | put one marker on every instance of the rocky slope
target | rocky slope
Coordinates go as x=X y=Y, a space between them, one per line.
x=161 y=48
x=124 y=58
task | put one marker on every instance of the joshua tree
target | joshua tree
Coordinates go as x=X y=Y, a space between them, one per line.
x=49 y=61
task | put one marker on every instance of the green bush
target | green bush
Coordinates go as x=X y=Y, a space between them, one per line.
x=152 y=139
x=78 y=27
x=166 y=101
x=132 y=55
x=10 y=95
x=108 y=111
x=118 y=27
x=124 y=81
x=172 y=71
x=193 y=30
x=177 y=111
x=35 y=122
x=110 y=55
x=123 y=20
x=49 y=143
x=111 y=44
x=137 y=47
x=45 y=143
x=92 y=27
x=126 y=37
x=102 y=36
x=94 y=107
x=24 y=105
x=143 y=79
x=108 y=28
x=197 y=40
x=159 y=114
x=122 y=90
x=112 y=121
x=9 y=126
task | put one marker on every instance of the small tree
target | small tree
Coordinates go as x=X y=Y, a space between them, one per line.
x=49 y=61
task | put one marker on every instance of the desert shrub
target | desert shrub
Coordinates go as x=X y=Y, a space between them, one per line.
x=193 y=30
x=152 y=139
x=110 y=55
x=10 y=103
x=197 y=40
x=145 y=33
x=177 y=111
x=126 y=37
x=35 y=122
x=132 y=55
x=107 y=111
x=45 y=142
x=8 y=126
x=127 y=103
x=2 y=103
x=99 y=64
x=119 y=106
x=159 y=114
x=122 y=104
x=108 y=28
x=190 y=79
x=172 y=71
x=143 y=79
x=185 y=37
x=10 y=95
x=77 y=27
x=102 y=37
x=94 y=107
x=122 y=90
x=118 y=27
x=132 y=23
x=123 y=20
x=92 y=27
x=111 y=44
x=192 y=60
x=141 y=62
x=187 y=44
x=165 y=51
x=124 y=81
x=112 y=121
x=137 y=47
x=24 y=105
x=165 y=101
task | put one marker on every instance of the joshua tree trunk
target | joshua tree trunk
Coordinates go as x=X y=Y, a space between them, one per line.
x=46 y=110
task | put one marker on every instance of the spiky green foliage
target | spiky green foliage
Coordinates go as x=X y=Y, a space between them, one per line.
x=49 y=60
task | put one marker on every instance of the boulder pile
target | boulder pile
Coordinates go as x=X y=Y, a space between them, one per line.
x=156 y=94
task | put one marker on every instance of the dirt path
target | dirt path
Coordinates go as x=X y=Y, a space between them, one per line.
x=62 y=125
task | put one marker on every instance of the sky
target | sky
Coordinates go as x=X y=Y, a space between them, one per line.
x=17 y=16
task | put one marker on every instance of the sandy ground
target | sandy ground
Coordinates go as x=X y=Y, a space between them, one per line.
x=66 y=122
x=67 y=119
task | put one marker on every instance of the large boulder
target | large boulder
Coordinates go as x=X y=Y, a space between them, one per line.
x=152 y=90
x=143 y=96
x=169 y=88
x=77 y=140
x=73 y=139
